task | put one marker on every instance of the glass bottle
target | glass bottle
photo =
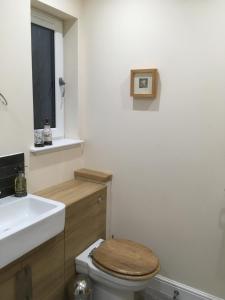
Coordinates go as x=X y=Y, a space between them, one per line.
x=20 y=184
x=47 y=132
x=38 y=138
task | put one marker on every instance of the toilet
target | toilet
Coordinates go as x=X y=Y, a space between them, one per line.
x=118 y=268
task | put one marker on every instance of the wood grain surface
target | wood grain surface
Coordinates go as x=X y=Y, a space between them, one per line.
x=85 y=217
x=86 y=223
x=71 y=191
x=8 y=281
x=53 y=263
x=126 y=258
x=93 y=175
x=46 y=263
x=47 y=266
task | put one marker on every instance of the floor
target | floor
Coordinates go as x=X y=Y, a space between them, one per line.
x=151 y=296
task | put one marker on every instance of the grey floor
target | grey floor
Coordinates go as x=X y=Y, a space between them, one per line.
x=151 y=296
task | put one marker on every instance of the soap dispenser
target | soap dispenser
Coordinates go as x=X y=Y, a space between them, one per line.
x=20 y=183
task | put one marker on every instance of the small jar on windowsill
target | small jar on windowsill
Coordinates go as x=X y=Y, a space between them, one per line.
x=47 y=133
x=38 y=138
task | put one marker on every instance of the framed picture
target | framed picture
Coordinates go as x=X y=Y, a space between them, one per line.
x=143 y=83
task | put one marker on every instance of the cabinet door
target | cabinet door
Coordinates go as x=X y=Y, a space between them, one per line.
x=85 y=223
x=47 y=267
x=8 y=279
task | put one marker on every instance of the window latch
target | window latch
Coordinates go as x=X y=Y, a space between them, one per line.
x=62 y=86
x=3 y=99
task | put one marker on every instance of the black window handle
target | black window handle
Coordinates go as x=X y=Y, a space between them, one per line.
x=3 y=99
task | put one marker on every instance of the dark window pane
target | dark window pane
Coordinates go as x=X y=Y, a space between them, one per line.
x=43 y=68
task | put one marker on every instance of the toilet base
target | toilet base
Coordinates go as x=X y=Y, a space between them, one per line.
x=102 y=293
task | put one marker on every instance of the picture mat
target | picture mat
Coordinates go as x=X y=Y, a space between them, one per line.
x=142 y=91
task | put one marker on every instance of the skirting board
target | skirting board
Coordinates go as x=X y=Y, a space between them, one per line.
x=162 y=288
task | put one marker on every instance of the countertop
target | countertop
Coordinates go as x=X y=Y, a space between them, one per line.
x=71 y=191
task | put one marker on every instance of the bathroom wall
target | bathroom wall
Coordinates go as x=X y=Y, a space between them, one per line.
x=168 y=154
x=16 y=121
x=70 y=7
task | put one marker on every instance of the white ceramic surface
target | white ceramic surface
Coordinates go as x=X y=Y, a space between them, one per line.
x=27 y=222
x=107 y=286
x=58 y=144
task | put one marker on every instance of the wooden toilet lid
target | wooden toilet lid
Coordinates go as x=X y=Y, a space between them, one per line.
x=126 y=259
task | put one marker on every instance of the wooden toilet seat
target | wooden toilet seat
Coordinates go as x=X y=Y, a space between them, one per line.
x=126 y=259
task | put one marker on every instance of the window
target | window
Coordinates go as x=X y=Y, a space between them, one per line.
x=47 y=69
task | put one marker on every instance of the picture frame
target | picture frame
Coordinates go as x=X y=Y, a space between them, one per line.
x=143 y=83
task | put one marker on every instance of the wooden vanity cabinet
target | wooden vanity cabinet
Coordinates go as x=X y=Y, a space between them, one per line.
x=45 y=272
x=85 y=223
x=47 y=268
x=39 y=275
x=8 y=277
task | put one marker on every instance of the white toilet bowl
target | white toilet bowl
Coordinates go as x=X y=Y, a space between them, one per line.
x=107 y=286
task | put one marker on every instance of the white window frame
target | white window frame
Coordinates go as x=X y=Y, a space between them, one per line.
x=45 y=20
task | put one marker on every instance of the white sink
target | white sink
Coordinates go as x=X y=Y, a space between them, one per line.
x=27 y=222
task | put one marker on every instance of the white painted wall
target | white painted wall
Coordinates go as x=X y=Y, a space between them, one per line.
x=167 y=155
x=15 y=77
x=16 y=121
x=69 y=7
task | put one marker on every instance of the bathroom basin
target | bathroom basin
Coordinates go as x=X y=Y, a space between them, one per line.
x=27 y=222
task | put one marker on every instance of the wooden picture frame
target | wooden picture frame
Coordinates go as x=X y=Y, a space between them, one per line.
x=143 y=83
